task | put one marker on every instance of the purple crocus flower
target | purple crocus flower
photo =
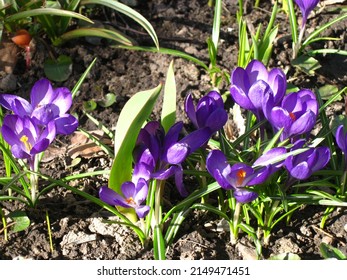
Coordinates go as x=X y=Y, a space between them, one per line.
x=297 y=113
x=25 y=137
x=235 y=177
x=341 y=140
x=160 y=156
x=303 y=165
x=306 y=7
x=209 y=111
x=133 y=196
x=47 y=104
x=251 y=85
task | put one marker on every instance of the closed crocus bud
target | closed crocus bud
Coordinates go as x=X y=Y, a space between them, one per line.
x=250 y=87
x=22 y=38
x=306 y=7
x=209 y=112
x=303 y=165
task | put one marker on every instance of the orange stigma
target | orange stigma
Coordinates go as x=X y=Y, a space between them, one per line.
x=130 y=201
x=240 y=175
x=292 y=116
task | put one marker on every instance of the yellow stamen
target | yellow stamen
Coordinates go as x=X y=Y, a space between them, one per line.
x=240 y=175
x=27 y=145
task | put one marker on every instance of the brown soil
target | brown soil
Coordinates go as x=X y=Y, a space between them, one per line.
x=76 y=224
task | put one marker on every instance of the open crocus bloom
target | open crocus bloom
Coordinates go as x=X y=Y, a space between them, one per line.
x=306 y=7
x=159 y=156
x=25 y=137
x=133 y=196
x=251 y=85
x=209 y=111
x=47 y=104
x=303 y=165
x=297 y=113
x=235 y=177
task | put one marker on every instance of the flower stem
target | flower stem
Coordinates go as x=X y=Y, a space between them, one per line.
x=343 y=183
x=297 y=46
x=157 y=202
x=34 y=179
x=236 y=219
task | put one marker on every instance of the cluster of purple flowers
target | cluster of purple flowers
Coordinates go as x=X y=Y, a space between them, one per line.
x=34 y=125
x=263 y=93
x=159 y=156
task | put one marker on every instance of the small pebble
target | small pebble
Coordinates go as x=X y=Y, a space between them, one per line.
x=345 y=227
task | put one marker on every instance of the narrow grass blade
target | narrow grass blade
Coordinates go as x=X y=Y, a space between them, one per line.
x=46 y=11
x=96 y=32
x=131 y=13
x=293 y=21
x=168 y=51
x=216 y=23
x=159 y=244
x=320 y=29
x=168 y=113
x=82 y=78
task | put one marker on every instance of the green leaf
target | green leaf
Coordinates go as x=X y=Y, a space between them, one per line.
x=329 y=252
x=82 y=78
x=189 y=200
x=46 y=11
x=170 y=52
x=128 y=12
x=328 y=91
x=306 y=64
x=109 y=100
x=316 y=33
x=58 y=70
x=168 y=113
x=216 y=23
x=293 y=21
x=21 y=220
x=89 y=105
x=134 y=114
x=94 y=32
x=158 y=244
